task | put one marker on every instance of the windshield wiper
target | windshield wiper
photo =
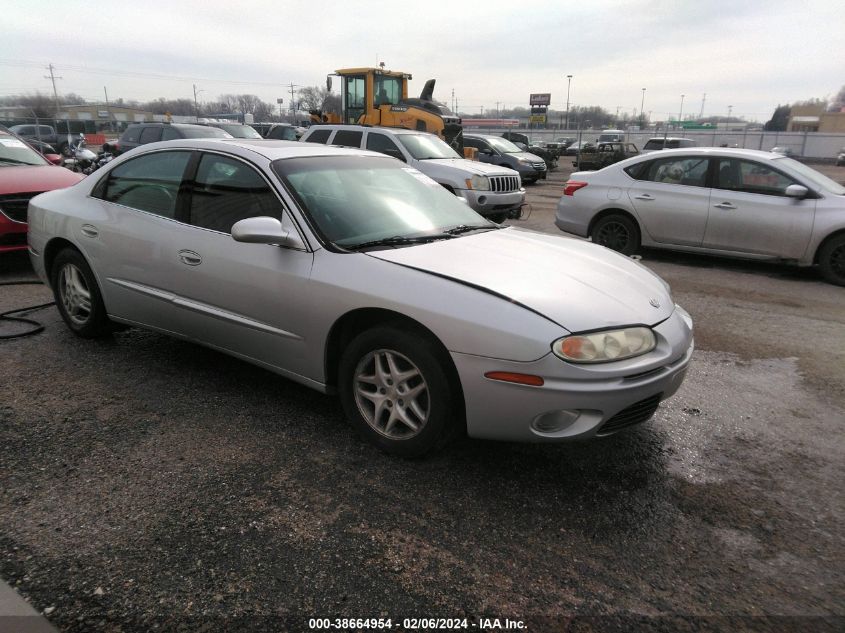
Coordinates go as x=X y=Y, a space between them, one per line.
x=15 y=161
x=465 y=228
x=399 y=240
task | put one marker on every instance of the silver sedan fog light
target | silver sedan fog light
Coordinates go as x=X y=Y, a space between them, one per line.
x=605 y=347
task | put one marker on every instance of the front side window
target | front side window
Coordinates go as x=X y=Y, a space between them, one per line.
x=200 y=131
x=348 y=138
x=674 y=171
x=355 y=200
x=381 y=143
x=169 y=134
x=132 y=134
x=750 y=177
x=148 y=183
x=284 y=133
x=427 y=146
x=226 y=190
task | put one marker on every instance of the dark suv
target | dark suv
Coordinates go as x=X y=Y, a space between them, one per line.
x=143 y=133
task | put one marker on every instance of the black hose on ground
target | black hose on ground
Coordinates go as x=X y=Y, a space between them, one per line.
x=5 y=316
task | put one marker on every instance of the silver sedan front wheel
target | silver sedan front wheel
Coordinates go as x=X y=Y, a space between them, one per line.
x=398 y=388
x=391 y=394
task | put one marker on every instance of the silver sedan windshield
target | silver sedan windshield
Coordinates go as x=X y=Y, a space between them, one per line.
x=357 y=200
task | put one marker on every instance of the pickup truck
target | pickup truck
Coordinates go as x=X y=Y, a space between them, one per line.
x=603 y=154
x=46 y=134
x=492 y=191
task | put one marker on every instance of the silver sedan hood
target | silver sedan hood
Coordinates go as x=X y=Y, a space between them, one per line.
x=576 y=284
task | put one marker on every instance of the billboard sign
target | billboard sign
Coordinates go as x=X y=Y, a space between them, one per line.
x=540 y=99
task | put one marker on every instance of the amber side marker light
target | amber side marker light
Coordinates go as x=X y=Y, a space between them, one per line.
x=520 y=379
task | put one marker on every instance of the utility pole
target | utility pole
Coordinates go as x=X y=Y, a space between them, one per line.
x=293 y=87
x=497 y=109
x=642 y=105
x=453 y=100
x=730 y=107
x=703 y=99
x=108 y=108
x=53 y=78
x=196 y=106
x=681 y=113
x=568 y=84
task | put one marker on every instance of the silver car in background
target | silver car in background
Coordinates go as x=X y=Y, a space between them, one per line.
x=729 y=202
x=351 y=272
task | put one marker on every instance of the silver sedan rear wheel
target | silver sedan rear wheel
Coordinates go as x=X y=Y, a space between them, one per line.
x=391 y=394
x=78 y=296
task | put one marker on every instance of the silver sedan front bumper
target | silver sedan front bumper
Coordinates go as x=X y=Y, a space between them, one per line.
x=574 y=402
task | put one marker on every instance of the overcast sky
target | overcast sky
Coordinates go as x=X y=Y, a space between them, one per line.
x=748 y=54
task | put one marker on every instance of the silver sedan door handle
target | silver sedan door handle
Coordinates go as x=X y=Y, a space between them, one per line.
x=190 y=258
x=89 y=230
x=724 y=205
x=644 y=196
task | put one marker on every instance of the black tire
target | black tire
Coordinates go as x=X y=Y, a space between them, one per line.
x=832 y=260
x=71 y=278
x=498 y=218
x=386 y=418
x=617 y=232
x=64 y=150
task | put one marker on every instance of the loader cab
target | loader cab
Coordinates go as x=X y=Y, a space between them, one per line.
x=365 y=90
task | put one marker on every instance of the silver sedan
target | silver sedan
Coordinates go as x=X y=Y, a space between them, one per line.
x=729 y=202
x=350 y=272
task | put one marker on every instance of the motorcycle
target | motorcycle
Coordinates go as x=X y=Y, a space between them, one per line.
x=81 y=158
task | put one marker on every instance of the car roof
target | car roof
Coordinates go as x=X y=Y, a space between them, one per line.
x=708 y=151
x=352 y=127
x=268 y=148
x=671 y=138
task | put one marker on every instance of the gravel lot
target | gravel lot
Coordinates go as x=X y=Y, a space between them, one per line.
x=146 y=482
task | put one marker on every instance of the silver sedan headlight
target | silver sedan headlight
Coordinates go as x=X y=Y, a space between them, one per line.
x=606 y=346
x=479 y=183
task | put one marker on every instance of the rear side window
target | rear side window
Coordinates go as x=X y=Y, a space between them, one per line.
x=150 y=135
x=283 y=133
x=348 y=138
x=226 y=191
x=654 y=144
x=132 y=134
x=148 y=183
x=319 y=136
x=674 y=171
x=169 y=133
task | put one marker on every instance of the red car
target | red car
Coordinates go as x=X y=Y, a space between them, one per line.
x=24 y=173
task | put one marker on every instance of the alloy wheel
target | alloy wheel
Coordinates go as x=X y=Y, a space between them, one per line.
x=74 y=293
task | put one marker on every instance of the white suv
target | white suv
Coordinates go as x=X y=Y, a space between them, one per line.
x=492 y=191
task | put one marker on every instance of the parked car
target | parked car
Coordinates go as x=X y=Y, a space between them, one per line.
x=142 y=133
x=729 y=202
x=840 y=157
x=603 y=154
x=236 y=130
x=283 y=132
x=500 y=151
x=348 y=272
x=46 y=134
x=53 y=156
x=24 y=173
x=574 y=148
x=548 y=156
x=785 y=151
x=494 y=192
x=610 y=136
x=670 y=142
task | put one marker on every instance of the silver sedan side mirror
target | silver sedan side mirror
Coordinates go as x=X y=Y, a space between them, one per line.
x=796 y=191
x=265 y=230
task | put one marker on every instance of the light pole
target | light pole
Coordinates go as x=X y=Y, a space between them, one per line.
x=681 y=113
x=730 y=107
x=642 y=117
x=568 y=84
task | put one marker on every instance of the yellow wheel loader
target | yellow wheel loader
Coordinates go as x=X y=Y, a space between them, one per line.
x=374 y=96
